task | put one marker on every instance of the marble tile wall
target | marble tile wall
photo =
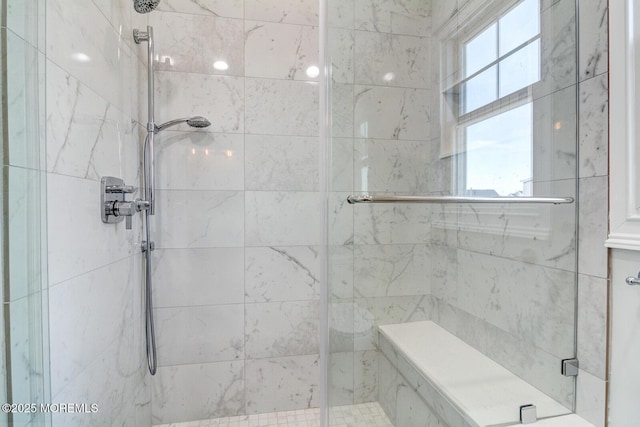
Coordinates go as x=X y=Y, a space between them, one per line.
x=380 y=255
x=95 y=270
x=237 y=258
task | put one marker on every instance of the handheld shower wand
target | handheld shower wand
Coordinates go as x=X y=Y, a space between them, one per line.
x=144 y=6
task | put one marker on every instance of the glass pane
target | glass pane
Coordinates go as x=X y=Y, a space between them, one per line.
x=499 y=155
x=481 y=51
x=522 y=23
x=520 y=69
x=480 y=90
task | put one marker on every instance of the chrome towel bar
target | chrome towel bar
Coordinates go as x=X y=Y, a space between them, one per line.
x=353 y=199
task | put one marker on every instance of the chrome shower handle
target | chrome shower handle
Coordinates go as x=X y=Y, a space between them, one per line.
x=120 y=189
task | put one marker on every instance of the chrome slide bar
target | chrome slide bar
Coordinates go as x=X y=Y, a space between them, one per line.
x=353 y=199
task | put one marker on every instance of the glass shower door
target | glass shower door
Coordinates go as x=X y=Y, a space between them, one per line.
x=471 y=99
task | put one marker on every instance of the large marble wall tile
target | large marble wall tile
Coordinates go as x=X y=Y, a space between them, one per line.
x=592 y=228
x=199 y=219
x=340 y=14
x=82 y=335
x=558 y=53
x=593 y=304
x=594 y=126
x=554 y=136
x=442 y=277
x=365 y=376
x=22 y=62
x=412 y=411
x=91 y=49
x=280 y=51
x=226 y=8
x=389 y=382
x=219 y=98
x=205 y=276
x=442 y=11
x=341 y=327
x=284 y=11
x=71 y=253
x=26 y=369
x=193 y=334
x=199 y=161
x=282 y=219
x=281 y=329
x=278 y=107
x=341 y=164
x=22 y=205
x=194 y=42
x=542 y=235
x=341 y=51
x=531 y=302
x=111 y=382
x=341 y=272
x=390 y=270
x=392 y=60
x=341 y=217
x=371 y=312
x=591 y=399
x=282 y=274
x=342 y=114
x=198 y=392
x=594 y=38
x=281 y=163
x=391 y=113
x=121 y=16
x=340 y=381
x=284 y=383
x=411 y=17
x=390 y=165
x=87 y=136
x=391 y=224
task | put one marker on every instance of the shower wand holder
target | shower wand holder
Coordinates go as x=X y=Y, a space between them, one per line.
x=113 y=204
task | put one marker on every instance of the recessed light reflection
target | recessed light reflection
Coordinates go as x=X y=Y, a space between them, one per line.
x=313 y=72
x=229 y=153
x=81 y=57
x=221 y=65
x=558 y=125
x=389 y=76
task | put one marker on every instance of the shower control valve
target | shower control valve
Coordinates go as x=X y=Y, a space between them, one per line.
x=114 y=207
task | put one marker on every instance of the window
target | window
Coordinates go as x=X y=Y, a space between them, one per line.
x=488 y=124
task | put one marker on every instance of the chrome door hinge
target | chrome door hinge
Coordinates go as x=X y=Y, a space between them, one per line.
x=570 y=367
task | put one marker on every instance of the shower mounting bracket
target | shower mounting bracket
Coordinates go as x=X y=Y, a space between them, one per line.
x=570 y=367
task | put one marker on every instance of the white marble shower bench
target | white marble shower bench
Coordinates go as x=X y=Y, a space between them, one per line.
x=430 y=378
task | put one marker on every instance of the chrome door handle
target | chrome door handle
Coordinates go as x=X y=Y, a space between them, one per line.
x=633 y=281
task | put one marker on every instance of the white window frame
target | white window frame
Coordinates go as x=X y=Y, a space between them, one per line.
x=624 y=113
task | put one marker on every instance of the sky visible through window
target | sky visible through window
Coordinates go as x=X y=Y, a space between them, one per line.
x=502 y=59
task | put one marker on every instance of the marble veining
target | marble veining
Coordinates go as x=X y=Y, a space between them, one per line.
x=280 y=51
x=594 y=30
x=282 y=383
x=282 y=274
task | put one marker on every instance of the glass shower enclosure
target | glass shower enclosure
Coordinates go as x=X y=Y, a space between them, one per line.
x=452 y=99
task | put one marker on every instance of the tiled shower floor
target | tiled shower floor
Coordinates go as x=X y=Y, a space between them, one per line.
x=363 y=415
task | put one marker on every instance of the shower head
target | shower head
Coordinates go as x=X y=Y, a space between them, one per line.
x=198 y=122
x=145 y=6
